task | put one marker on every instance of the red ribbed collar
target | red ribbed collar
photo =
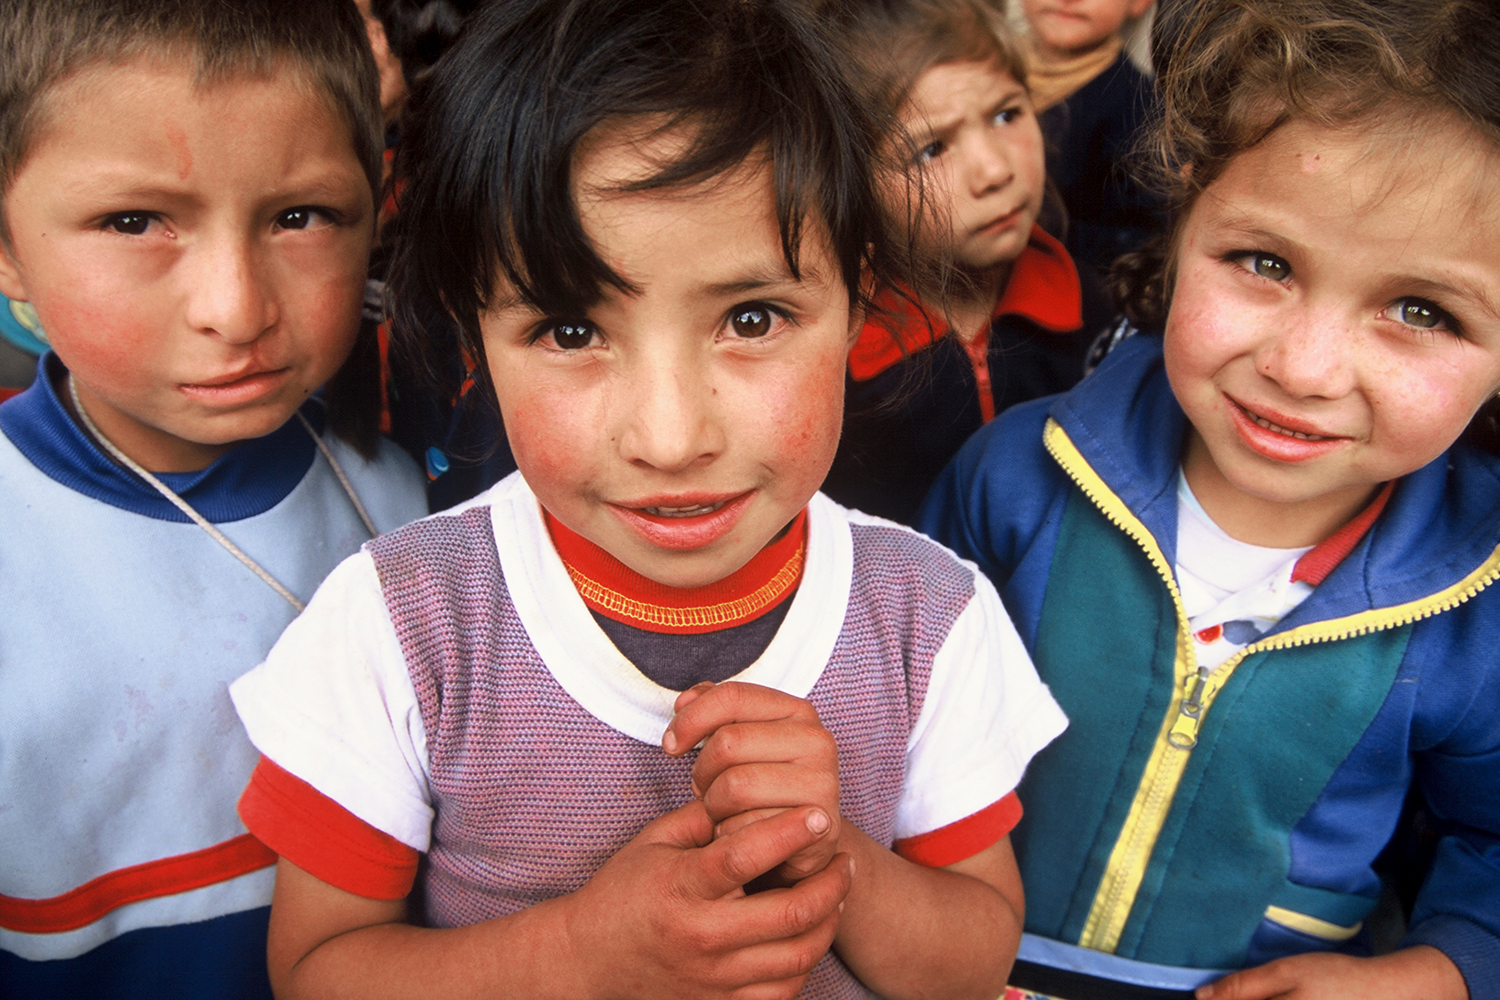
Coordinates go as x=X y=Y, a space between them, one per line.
x=1043 y=287
x=615 y=590
x=1316 y=563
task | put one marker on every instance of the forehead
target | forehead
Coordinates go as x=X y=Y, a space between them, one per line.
x=734 y=211
x=165 y=89
x=944 y=92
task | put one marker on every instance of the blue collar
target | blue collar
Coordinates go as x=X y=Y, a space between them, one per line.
x=1441 y=523
x=249 y=479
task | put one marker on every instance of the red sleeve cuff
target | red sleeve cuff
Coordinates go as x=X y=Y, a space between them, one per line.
x=323 y=838
x=963 y=839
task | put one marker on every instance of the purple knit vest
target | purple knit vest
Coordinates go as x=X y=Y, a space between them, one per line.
x=533 y=793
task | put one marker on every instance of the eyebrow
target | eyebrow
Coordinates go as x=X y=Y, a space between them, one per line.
x=761 y=278
x=936 y=127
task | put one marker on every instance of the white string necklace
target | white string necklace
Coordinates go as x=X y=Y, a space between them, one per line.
x=204 y=522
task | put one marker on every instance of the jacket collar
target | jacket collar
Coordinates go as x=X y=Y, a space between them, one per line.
x=1441 y=523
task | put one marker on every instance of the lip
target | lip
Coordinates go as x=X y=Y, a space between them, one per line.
x=238 y=387
x=684 y=531
x=1001 y=223
x=1281 y=445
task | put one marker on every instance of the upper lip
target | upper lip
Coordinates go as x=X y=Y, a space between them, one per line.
x=678 y=500
x=1011 y=213
x=233 y=377
x=1293 y=424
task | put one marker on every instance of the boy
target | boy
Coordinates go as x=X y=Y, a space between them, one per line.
x=1092 y=103
x=188 y=201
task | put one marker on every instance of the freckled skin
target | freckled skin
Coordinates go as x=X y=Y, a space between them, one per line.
x=668 y=400
x=196 y=256
x=1330 y=336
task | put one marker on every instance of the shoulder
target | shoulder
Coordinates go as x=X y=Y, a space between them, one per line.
x=389 y=484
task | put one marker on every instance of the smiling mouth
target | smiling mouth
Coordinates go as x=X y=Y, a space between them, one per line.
x=1275 y=428
x=696 y=510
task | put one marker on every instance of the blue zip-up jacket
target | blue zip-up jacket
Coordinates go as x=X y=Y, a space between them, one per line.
x=1221 y=821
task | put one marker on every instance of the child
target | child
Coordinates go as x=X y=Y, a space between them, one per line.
x=1016 y=323
x=651 y=221
x=188 y=203
x=1093 y=104
x=1248 y=556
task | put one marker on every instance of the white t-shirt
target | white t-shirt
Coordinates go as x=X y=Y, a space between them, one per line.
x=334 y=704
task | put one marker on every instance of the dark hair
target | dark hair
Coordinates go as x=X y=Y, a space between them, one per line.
x=487 y=163
x=46 y=41
x=1231 y=72
x=420 y=31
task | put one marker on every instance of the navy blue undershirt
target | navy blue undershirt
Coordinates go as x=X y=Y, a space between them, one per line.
x=249 y=479
x=677 y=662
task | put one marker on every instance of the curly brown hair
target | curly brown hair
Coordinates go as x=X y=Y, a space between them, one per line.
x=1231 y=72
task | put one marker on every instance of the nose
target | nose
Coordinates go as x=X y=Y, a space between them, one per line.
x=669 y=420
x=228 y=294
x=1314 y=356
x=990 y=166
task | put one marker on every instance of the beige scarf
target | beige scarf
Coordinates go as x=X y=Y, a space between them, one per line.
x=1054 y=81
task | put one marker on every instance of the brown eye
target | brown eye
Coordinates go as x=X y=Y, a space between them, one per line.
x=573 y=336
x=129 y=223
x=753 y=321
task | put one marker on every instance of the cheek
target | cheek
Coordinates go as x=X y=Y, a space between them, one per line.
x=548 y=432
x=805 y=411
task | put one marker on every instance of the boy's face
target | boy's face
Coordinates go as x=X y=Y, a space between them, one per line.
x=1063 y=28
x=680 y=428
x=979 y=148
x=1334 y=321
x=196 y=256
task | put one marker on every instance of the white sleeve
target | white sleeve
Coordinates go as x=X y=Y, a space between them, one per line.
x=334 y=705
x=985 y=716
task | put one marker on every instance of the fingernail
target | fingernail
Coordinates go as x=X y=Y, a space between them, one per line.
x=817 y=821
x=1204 y=992
x=841 y=906
x=851 y=866
x=669 y=741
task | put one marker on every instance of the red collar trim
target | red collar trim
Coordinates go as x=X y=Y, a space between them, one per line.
x=616 y=591
x=1320 y=560
x=1043 y=287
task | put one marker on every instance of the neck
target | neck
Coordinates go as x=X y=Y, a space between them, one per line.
x=1056 y=74
x=970 y=300
x=1259 y=520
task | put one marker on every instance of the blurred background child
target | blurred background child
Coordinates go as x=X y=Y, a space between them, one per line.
x=1253 y=556
x=1002 y=316
x=189 y=198
x=1093 y=104
x=651 y=223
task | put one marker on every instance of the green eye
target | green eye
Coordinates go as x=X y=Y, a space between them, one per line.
x=1270 y=266
x=1419 y=313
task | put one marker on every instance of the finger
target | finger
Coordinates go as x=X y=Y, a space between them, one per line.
x=794 y=912
x=739 y=821
x=782 y=966
x=1259 y=983
x=770 y=786
x=725 y=703
x=726 y=864
x=684 y=699
x=789 y=740
x=686 y=827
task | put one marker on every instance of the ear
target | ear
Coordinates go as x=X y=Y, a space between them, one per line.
x=11 y=285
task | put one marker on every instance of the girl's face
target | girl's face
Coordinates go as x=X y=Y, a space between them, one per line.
x=979 y=148
x=681 y=426
x=1335 y=321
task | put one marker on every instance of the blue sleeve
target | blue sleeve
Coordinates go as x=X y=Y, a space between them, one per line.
x=1458 y=908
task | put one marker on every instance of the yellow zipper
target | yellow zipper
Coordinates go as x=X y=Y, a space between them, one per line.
x=1194 y=690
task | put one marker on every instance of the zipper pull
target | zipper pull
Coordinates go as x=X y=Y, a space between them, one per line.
x=1184 y=732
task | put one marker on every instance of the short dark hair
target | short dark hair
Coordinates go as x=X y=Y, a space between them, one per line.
x=486 y=165
x=47 y=41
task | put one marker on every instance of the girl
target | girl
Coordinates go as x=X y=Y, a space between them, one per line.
x=1248 y=556
x=1011 y=321
x=651 y=220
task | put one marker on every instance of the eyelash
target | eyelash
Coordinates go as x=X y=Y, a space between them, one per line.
x=937 y=147
x=551 y=328
x=137 y=222
x=1442 y=319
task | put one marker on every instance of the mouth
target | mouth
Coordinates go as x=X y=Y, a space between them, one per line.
x=1002 y=222
x=1265 y=423
x=244 y=376
x=683 y=522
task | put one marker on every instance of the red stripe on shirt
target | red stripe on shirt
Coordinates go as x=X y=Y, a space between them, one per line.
x=323 y=838
x=166 y=877
x=953 y=843
x=1321 y=559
